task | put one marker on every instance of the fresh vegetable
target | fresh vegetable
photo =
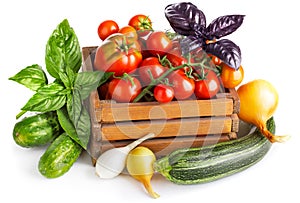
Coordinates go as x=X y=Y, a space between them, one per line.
x=158 y=43
x=119 y=54
x=59 y=157
x=37 y=130
x=230 y=77
x=113 y=161
x=258 y=103
x=141 y=23
x=139 y=165
x=129 y=31
x=186 y=19
x=124 y=89
x=163 y=93
x=212 y=162
x=183 y=85
x=149 y=69
x=107 y=28
x=207 y=86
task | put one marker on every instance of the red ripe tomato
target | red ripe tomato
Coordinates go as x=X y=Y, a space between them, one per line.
x=183 y=86
x=107 y=28
x=118 y=54
x=152 y=65
x=163 y=93
x=215 y=60
x=208 y=87
x=124 y=90
x=231 y=77
x=158 y=43
x=141 y=23
x=129 y=32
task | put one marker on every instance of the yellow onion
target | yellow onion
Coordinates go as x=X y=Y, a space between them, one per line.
x=139 y=165
x=258 y=103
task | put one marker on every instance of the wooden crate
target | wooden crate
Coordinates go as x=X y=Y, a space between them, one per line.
x=188 y=123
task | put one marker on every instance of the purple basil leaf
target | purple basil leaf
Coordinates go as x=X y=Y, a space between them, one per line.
x=186 y=19
x=224 y=25
x=191 y=43
x=227 y=51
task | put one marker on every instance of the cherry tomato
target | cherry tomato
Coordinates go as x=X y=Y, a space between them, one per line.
x=217 y=61
x=141 y=23
x=183 y=86
x=163 y=93
x=231 y=77
x=208 y=87
x=107 y=28
x=124 y=90
x=119 y=54
x=158 y=43
x=153 y=65
x=175 y=57
x=129 y=31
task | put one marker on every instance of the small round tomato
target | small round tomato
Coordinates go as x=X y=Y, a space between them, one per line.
x=107 y=28
x=129 y=31
x=118 y=54
x=150 y=67
x=163 y=93
x=158 y=43
x=124 y=89
x=207 y=87
x=183 y=86
x=217 y=61
x=231 y=77
x=141 y=23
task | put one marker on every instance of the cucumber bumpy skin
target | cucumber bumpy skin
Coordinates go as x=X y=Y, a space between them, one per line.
x=210 y=163
x=37 y=130
x=59 y=157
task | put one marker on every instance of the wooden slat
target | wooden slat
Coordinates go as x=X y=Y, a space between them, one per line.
x=113 y=112
x=164 y=146
x=166 y=128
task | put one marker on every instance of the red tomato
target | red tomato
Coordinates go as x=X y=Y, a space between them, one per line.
x=208 y=87
x=124 y=90
x=107 y=28
x=163 y=93
x=215 y=60
x=141 y=23
x=118 y=54
x=153 y=65
x=231 y=77
x=129 y=31
x=183 y=86
x=158 y=43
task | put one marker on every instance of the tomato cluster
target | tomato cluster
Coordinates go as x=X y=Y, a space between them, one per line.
x=148 y=65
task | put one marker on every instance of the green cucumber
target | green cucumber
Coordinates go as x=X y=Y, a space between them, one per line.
x=37 y=130
x=210 y=163
x=59 y=157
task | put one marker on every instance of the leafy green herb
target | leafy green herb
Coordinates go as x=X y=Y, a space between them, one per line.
x=62 y=50
x=47 y=98
x=32 y=77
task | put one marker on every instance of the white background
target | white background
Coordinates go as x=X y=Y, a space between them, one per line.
x=269 y=42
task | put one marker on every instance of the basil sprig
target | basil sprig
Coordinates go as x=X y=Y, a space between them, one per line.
x=70 y=87
x=186 y=19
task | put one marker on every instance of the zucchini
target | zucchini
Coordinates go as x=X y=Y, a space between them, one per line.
x=59 y=157
x=37 y=130
x=210 y=163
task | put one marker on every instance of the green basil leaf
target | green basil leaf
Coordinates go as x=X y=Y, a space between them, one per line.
x=86 y=82
x=67 y=125
x=47 y=98
x=79 y=117
x=83 y=127
x=62 y=50
x=32 y=77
